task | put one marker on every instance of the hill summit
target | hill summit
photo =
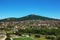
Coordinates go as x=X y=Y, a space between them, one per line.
x=28 y=17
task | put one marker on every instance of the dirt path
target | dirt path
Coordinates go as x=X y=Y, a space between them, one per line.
x=3 y=38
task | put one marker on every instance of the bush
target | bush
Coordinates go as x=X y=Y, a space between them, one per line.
x=58 y=38
x=17 y=33
x=7 y=38
x=50 y=37
x=37 y=36
x=29 y=34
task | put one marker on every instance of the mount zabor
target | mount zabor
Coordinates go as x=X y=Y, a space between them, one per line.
x=29 y=17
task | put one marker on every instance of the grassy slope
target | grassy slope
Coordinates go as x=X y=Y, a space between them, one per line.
x=23 y=38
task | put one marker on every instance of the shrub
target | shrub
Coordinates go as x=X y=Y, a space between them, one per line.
x=58 y=37
x=7 y=38
x=37 y=36
x=50 y=37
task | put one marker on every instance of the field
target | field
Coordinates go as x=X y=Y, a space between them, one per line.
x=23 y=38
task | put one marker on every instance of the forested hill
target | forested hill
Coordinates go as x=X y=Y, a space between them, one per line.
x=29 y=17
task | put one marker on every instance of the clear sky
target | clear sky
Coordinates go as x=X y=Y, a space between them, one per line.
x=19 y=8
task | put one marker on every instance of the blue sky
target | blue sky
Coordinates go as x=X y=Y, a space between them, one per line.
x=19 y=8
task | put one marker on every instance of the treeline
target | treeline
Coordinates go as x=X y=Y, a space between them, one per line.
x=43 y=31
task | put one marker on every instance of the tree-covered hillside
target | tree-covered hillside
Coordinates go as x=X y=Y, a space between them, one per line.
x=29 y=17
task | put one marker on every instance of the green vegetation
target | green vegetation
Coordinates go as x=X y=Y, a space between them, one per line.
x=42 y=38
x=42 y=31
x=29 y=28
x=58 y=37
x=8 y=36
x=29 y=17
x=23 y=38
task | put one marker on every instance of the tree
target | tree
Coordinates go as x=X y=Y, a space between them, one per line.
x=7 y=38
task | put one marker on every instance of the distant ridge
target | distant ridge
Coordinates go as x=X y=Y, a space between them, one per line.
x=29 y=17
